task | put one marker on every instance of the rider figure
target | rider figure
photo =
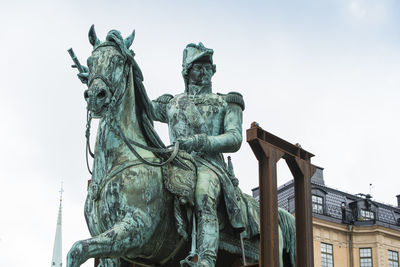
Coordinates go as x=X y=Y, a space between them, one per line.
x=206 y=125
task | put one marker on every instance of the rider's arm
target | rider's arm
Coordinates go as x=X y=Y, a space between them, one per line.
x=231 y=139
x=160 y=107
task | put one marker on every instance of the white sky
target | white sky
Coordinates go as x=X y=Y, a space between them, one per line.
x=324 y=74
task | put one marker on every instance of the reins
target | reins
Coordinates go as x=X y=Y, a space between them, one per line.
x=129 y=143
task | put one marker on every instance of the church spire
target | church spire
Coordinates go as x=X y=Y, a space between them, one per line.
x=57 y=249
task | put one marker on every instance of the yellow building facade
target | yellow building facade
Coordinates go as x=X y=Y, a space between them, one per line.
x=349 y=239
x=348 y=230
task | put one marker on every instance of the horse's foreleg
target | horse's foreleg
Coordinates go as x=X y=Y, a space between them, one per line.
x=128 y=234
x=109 y=263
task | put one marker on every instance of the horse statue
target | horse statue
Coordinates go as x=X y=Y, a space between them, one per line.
x=131 y=210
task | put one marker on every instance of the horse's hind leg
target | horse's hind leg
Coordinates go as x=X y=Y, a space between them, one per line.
x=128 y=234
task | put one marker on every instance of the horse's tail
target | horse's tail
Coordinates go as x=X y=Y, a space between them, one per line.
x=288 y=226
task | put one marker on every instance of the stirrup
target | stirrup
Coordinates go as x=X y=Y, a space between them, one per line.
x=187 y=262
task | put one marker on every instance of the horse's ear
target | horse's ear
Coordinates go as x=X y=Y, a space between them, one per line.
x=128 y=40
x=93 y=37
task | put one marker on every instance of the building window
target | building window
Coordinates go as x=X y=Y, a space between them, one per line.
x=326 y=255
x=317 y=204
x=367 y=214
x=393 y=257
x=365 y=257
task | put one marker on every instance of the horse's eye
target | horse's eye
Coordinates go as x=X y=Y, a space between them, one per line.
x=86 y=94
x=101 y=94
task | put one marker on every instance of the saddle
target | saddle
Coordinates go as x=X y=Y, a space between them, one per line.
x=181 y=183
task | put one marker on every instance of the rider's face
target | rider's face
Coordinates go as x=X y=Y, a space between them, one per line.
x=201 y=73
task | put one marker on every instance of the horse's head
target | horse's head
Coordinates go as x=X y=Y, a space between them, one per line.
x=109 y=67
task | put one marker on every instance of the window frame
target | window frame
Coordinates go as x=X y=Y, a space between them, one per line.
x=367 y=215
x=391 y=261
x=319 y=205
x=327 y=255
x=363 y=257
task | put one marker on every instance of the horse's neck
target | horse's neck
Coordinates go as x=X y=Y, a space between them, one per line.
x=111 y=150
x=126 y=115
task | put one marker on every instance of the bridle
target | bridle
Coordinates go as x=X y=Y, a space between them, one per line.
x=88 y=151
x=109 y=117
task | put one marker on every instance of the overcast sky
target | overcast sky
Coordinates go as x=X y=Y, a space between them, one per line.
x=324 y=74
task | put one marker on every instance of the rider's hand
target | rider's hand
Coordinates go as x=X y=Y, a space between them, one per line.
x=187 y=143
x=197 y=142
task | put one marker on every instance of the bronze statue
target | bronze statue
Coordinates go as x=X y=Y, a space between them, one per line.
x=144 y=198
x=206 y=125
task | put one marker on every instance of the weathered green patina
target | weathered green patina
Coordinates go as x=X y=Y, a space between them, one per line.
x=142 y=194
x=206 y=125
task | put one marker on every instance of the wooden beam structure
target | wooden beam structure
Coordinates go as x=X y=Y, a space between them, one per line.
x=269 y=149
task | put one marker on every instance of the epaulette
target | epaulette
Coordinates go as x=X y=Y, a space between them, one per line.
x=164 y=99
x=236 y=98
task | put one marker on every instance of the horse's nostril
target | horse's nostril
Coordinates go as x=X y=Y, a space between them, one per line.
x=86 y=94
x=101 y=94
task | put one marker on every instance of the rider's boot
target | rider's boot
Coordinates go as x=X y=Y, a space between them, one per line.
x=207 y=194
x=208 y=232
x=207 y=236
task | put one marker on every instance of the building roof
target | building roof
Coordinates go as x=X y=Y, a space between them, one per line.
x=341 y=207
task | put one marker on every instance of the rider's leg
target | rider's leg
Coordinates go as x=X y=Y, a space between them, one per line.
x=207 y=193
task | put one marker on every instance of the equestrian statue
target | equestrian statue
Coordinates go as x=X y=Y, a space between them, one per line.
x=157 y=205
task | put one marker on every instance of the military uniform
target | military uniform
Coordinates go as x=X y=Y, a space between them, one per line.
x=213 y=123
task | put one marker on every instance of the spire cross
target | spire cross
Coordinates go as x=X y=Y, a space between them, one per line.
x=61 y=191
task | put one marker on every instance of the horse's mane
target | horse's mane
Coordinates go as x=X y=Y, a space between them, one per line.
x=144 y=107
